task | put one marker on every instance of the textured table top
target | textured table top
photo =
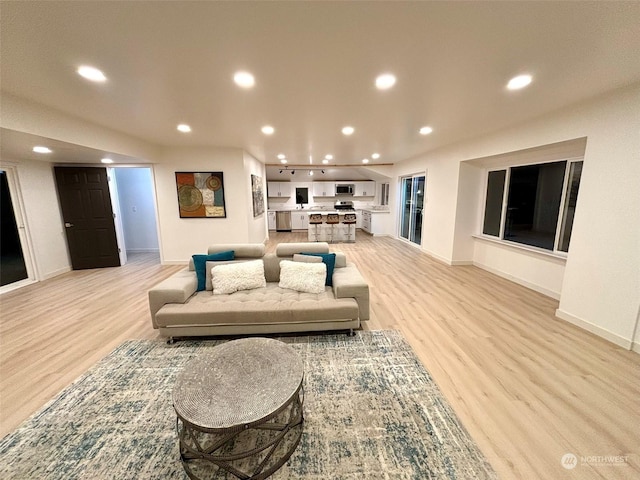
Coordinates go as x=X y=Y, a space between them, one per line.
x=238 y=383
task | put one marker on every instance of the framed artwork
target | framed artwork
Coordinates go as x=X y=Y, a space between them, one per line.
x=200 y=194
x=258 y=196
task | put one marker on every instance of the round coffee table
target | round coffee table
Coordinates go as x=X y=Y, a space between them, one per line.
x=239 y=409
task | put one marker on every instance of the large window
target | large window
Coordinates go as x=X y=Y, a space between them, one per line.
x=533 y=204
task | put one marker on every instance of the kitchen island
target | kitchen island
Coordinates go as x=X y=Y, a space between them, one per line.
x=375 y=221
x=324 y=232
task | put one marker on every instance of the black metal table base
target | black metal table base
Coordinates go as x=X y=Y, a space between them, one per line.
x=252 y=453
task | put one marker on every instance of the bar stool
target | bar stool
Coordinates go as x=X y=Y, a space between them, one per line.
x=315 y=219
x=332 y=219
x=348 y=220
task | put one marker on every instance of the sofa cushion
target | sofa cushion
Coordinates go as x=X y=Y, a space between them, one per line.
x=238 y=276
x=268 y=305
x=303 y=277
x=242 y=250
x=200 y=265
x=329 y=259
x=290 y=249
x=306 y=258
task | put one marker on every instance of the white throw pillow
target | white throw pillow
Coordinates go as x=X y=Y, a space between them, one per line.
x=238 y=276
x=303 y=277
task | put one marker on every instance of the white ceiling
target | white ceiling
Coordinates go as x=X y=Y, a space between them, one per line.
x=315 y=65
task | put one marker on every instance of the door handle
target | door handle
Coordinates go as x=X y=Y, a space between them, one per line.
x=67 y=224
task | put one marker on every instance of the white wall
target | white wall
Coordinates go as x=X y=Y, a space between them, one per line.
x=182 y=237
x=536 y=271
x=257 y=225
x=439 y=202
x=468 y=209
x=43 y=218
x=137 y=209
x=601 y=281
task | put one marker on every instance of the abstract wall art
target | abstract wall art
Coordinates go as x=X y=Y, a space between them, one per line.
x=258 y=195
x=200 y=194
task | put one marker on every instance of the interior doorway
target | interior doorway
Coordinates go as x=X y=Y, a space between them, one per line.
x=136 y=203
x=109 y=214
x=412 y=190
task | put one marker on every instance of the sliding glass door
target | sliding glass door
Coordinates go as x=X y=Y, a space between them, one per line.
x=13 y=260
x=411 y=205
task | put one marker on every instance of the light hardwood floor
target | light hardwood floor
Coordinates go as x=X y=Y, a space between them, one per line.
x=527 y=386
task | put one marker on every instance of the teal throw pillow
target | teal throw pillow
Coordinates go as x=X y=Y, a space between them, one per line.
x=329 y=259
x=200 y=265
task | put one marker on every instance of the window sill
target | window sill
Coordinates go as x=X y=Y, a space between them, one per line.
x=527 y=248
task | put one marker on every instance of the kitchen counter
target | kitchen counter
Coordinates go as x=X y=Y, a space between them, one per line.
x=301 y=210
x=324 y=232
x=326 y=212
x=373 y=210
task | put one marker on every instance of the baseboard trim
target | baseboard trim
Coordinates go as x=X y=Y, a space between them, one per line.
x=55 y=273
x=599 y=331
x=174 y=262
x=635 y=347
x=437 y=257
x=460 y=262
x=143 y=250
x=519 y=281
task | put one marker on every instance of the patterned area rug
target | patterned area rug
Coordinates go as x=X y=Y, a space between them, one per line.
x=371 y=412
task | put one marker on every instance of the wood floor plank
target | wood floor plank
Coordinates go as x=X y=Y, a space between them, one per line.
x=528 y=387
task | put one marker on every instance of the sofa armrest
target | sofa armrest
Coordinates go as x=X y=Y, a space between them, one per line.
x=348 y=282
x=175 y=289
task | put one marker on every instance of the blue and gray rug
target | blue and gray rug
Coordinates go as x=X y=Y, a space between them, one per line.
x=371 y=412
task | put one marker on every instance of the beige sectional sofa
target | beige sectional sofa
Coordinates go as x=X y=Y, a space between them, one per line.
x=178 y=310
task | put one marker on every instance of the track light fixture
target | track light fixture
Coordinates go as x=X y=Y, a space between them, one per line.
x=310 y=171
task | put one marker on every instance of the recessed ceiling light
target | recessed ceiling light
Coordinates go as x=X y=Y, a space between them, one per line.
x=426 y=130
x=385 y=81
x=325 y=161
x=184 y=128
x=348 y=130
x=283 y=160
x=521 y=81
x=365 y=160
x=311 y=173
x=375 y=155
x=91 y=73
x=328 y=156
x=40 y=149
x=268 y=130
x=244 y=79
x=281 y=156
x=106 y=160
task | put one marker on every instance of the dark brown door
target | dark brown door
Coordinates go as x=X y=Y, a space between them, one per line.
x=88 y=217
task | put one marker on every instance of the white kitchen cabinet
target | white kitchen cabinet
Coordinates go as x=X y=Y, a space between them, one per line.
x=279 y=189
x=366 y=221
x=377 y=222
x=299 y=220
x=324 y=189
x=271 y=220
x=365 y=189
x=358 y=218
